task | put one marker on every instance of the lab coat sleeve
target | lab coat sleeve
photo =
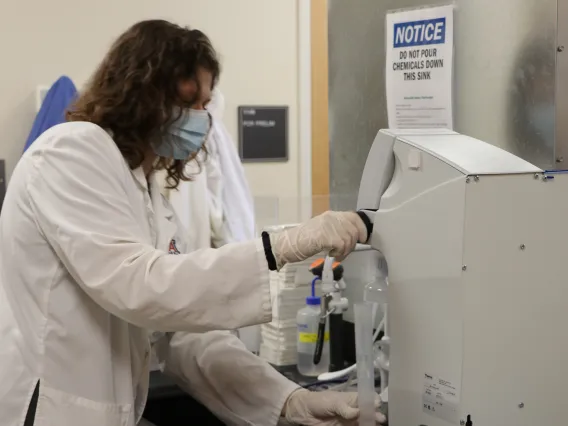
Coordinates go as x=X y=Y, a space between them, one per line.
x=217 y=370
x=78 y=191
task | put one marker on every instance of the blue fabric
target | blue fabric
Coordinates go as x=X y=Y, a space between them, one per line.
x=52 y=111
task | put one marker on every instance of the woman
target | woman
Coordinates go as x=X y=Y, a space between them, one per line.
x=91 y=257
x=216 y=207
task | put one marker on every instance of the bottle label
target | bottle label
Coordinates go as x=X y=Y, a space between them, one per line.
x=311 y=337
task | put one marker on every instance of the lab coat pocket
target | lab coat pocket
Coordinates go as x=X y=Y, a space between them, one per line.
x=56 y=408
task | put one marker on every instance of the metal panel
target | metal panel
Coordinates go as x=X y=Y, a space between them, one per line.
x=497 y=388
x=357 y=108
x=562 y=86
x=505 y=74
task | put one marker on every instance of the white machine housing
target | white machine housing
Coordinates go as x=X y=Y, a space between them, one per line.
x=476 y=246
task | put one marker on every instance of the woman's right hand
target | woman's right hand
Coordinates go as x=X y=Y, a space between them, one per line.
x=334 y=232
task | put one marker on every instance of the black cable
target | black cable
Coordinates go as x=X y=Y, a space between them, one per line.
x=319 y=343
x=325 y=382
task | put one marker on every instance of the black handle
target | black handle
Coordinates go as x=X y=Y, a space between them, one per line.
x=336 y=359
x=319 y=343
x=368 y=225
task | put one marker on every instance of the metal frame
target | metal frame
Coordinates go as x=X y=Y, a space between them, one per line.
x=305 y=106
x=2 y=182
x=561 y=95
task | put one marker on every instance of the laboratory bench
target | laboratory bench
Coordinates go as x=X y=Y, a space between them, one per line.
x=168 y=405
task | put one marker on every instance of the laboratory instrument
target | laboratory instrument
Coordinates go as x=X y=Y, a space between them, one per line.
x=333 y=306
x=474 y=241
x=365 y=363
x=375 y=293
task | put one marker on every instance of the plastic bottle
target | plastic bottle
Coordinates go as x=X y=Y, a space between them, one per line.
x=308 y=321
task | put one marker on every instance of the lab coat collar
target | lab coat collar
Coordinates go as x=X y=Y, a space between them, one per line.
x=137 y=173
x=165 y=217
x=161 y=207
x=163 y=223
x=140 y=177
x=150 y=184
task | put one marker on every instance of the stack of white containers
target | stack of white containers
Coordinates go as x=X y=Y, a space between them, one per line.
x=289 y=288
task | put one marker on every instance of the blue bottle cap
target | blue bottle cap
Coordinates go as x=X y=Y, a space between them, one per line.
x=313 y=300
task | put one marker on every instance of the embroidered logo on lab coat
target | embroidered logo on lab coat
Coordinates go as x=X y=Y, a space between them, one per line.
x=173 y=248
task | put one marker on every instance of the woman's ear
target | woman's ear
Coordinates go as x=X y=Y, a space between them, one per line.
x=187 y=90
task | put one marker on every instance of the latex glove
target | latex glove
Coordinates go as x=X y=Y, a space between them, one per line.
x=333 y=232
x=325 y=408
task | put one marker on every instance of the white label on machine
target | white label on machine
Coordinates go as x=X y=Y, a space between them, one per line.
x=419 y=67
x=440 y=398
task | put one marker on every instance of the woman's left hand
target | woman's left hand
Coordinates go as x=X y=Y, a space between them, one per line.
x=325 y=408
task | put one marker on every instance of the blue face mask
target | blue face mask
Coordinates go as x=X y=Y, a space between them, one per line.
x=542 y=121
x=185 y=136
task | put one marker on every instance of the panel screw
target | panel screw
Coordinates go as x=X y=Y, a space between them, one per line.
x=467 y=180
x=560 y=48
x=464 y=267
x=476 y=178
x=522 y=247
x=522 y=405
x=536 y=175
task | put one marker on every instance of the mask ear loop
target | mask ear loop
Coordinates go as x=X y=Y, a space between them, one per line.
x=208 y=135
x=203 y=148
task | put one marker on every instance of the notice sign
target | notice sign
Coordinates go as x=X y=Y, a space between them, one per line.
x=263 y=133
x=419 y=68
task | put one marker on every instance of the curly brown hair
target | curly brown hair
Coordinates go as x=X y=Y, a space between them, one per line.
x=134 y=92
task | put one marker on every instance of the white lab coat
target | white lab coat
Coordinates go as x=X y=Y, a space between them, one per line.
x=88 y=264
x=235 y=194
x=199 y=204
x=216 y=207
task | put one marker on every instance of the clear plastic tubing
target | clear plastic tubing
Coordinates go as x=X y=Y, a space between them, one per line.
x=365 y=366
x=376 y=291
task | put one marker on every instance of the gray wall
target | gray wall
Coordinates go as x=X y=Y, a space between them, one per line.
x=505 y=63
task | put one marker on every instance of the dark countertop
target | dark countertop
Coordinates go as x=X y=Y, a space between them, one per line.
x=162 y=387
